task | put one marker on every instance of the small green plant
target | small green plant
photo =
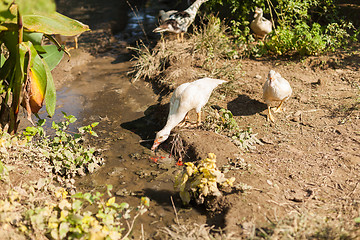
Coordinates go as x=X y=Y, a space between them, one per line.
x=223 y=122
x=49 y=211
x=65 y=151
x=68 y=219
x=201 y=180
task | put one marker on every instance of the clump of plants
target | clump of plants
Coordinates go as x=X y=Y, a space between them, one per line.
x=37 y=210
x=301 y=27
x=223 y=122
x=212 y=40
x=198 y=181
x=65 y=150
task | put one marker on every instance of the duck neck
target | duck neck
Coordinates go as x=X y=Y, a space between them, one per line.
x=259 y=17
x=192 y=10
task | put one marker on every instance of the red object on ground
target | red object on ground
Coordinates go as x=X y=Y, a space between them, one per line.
x=179 y=162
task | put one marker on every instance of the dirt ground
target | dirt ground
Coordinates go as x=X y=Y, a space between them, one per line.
x=309 y=164
x=310 y=161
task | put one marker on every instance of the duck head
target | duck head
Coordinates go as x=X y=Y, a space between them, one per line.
x=273 y=75
x=258 y=11
x=161 y=136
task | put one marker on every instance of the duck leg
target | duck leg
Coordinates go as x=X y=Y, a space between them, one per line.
x=76 y=42
x=278 y=108
x=270 y=116
x=182 y=36
x=198 y=120
x=183 y=122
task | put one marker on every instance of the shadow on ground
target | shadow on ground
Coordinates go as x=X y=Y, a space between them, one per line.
x=243 y=105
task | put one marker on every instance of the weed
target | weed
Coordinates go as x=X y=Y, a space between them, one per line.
x=201 y=180
x=64 y=150
x=303 y=226
x=223 y=122
x=149 y=64
x=212 y=41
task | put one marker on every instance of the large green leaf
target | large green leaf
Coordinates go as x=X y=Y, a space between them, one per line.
x=52 y=56
x=2 y=60
x=35 y=38
x=17 y=78
x=27 y=7
x=10 y=39
x=50 y=94
x=54 y=23
x=39 y=71
x=4 y=5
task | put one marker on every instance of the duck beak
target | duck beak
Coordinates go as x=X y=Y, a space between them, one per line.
x=155 y=145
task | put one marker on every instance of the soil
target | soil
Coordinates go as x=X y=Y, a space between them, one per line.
x=309 y=163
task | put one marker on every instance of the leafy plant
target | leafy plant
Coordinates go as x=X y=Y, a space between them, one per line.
x=68 y=219
x=201 y=180
x=25 y=73
x=56 y=215
x=309 y=27
x=65 y=151
x=223 y=122
x=212 y=40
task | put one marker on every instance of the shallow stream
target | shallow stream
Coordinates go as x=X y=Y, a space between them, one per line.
x=101 y=91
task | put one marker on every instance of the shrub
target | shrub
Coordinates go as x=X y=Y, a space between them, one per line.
x=308 y=27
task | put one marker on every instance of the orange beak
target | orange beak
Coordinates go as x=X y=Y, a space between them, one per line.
x=155 y=145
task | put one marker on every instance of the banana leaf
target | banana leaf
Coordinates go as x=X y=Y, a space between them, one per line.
x=52 y=56
x=50 y=93
x=54 y=23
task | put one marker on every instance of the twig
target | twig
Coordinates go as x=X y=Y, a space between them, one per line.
x=137 y=18
x=130 y=226
x=272 y=19
x=147 y=140
x=176 y=214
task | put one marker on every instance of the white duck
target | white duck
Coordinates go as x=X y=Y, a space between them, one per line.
x=188 y=96
x=178 y=22
x=260 y=25
x=276 y=88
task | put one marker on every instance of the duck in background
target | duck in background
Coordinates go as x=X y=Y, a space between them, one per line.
x=178 y=22
x=188 y=96
x=276 y=88
x=260 y=25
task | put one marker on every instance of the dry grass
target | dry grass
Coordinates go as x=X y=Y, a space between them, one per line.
x=196 y=57
x=303 y=225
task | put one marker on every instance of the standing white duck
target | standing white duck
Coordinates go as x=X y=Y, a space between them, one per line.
x=276 y=88
x=188 y=96
x=178 y=22
x=260 y=25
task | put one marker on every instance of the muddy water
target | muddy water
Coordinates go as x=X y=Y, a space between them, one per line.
x=101 y=91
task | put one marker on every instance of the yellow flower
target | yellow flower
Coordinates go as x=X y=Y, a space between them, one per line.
x=189 y=170
x=63 y=215
x=2 y=141
x=53 y=223
x=189 y=164
x=23 y=228
x=212 y=156
x=110 y=201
